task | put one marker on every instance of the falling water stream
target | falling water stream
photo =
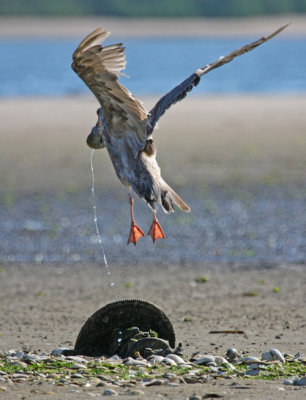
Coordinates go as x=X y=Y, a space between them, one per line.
x=108 y=271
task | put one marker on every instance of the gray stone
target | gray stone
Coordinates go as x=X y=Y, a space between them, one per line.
x=110 y=392
x=77 y=376
x=273 y=355
x=277 y=355
x=288 y=382
x=204 y=359
x=301 y=381
x=155 y=382
x=252 y=372
x=169 y=361
x=232 y=353
x=176 y=358
x=20 y=376
x=78 y=366
x=59 y=351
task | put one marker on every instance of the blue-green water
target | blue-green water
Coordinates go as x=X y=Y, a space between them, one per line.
x=155 y=65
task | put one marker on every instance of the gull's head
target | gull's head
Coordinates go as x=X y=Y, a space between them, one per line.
x=95 y=139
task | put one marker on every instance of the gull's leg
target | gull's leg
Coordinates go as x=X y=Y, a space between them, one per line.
x=135 y=233
x=156 y=231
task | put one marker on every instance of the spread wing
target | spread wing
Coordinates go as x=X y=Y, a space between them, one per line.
x=99 y=67
x=180 y=91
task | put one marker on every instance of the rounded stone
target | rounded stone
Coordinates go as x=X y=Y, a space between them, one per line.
x=110 y=392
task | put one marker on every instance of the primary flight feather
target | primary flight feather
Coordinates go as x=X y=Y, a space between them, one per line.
x=125 y=127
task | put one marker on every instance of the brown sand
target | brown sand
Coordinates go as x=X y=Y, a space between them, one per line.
x=217 y=140
x=44 y=307
x=79 y=27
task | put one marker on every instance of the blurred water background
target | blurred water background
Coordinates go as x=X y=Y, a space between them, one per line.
x=31 y=67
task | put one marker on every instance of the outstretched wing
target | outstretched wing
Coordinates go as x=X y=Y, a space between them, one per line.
x=180 y=91
x=99 y=67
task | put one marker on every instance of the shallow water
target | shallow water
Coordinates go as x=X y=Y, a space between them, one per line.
x=259 y=225
x=155 y=65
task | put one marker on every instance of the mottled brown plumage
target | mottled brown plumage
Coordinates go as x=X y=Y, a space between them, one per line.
x=124 y=126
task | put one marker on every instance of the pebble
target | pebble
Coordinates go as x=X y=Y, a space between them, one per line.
x=277 y=355
x=169 y=361
x=20 y=376
x=30 y=358
x=175 y=379
x=193 y=372
x=204 y=359
x=250 y=360
x=300 y=382
x=253 y=366
x=110 y=392
x=186 y=366
x=211 y=364
x=191 y=379
x=76 y=359
x=59 y=351
x=53 y=376
x=135 y=392
x=288 y=382
x=169 y=375
x=78 y=366
x=214 y=395
x=155 y=359
x=114 y=359
x=155 y=382
x=273 y=355
x=252 y=372
x=11 y=353
x=136 y=363
x=232 y=353
x=19 y=363
x=77 y=376
x=267 y=356
x=101 y=383
x=297 y=356
x=178 y=360
x=220 y=360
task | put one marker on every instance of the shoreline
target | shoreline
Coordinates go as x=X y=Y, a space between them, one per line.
x=51 y=27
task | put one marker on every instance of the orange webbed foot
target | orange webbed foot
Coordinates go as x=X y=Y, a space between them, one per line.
x=135 y=234
x=156 y=231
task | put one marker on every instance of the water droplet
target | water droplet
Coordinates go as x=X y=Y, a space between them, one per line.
x=96 y=219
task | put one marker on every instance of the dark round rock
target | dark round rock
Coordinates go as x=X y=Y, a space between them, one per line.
x=97 y=334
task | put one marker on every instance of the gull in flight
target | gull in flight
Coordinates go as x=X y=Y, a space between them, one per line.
x=126 y=128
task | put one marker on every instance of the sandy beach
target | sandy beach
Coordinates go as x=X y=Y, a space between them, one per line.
x=79 y=27
x=239 y=161
x=236 y=142
x=216 y=139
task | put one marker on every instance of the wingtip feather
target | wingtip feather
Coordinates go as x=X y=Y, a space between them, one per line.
x=95 y=37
